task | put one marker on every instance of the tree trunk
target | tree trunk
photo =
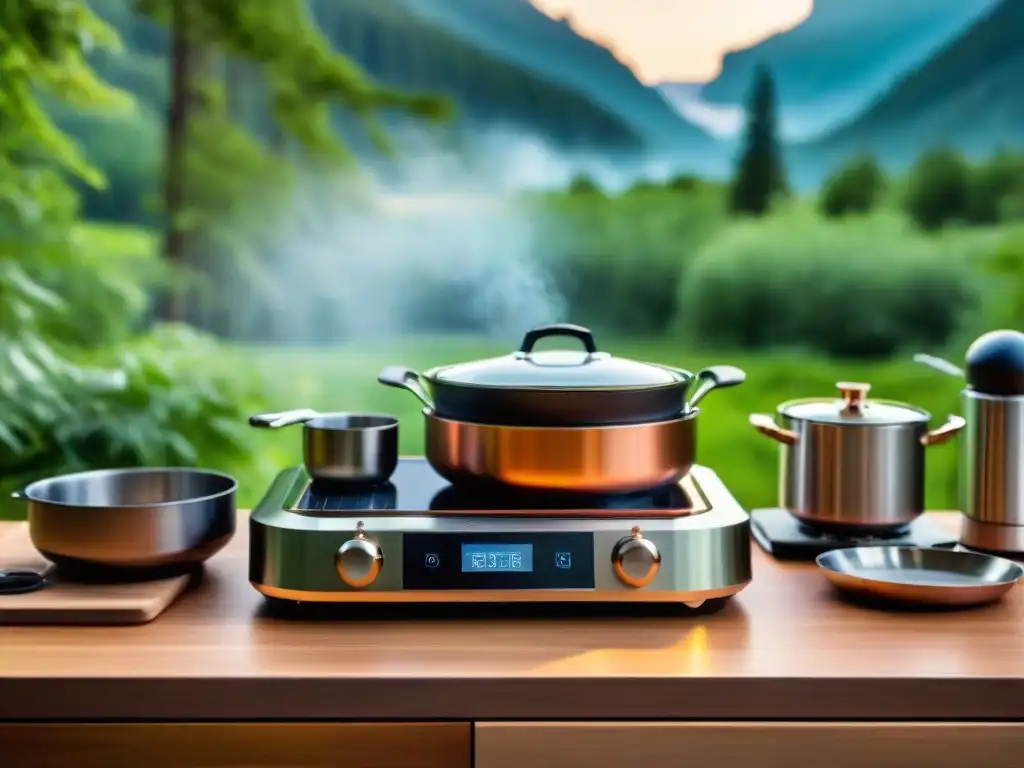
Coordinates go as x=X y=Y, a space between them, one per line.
x=171 y=306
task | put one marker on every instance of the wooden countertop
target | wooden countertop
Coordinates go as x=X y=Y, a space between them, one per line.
x=784 y=648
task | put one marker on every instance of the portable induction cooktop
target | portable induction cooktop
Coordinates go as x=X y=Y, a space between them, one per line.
x=418 y=539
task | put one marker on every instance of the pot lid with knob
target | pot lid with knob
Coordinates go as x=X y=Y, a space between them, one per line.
x=994 y=364
x=585 y=368
x=853 y=408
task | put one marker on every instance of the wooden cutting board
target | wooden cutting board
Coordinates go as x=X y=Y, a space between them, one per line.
x=61 y=602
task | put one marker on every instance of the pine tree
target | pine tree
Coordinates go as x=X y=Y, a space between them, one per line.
x=760 y=175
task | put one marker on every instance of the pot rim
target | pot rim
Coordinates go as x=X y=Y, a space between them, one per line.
x=27 y=493
x=391 y=422
x=688 y=416
x=968 y=392
x=682 y=382
x=783 y=408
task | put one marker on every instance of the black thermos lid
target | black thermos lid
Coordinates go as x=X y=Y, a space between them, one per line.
x=995 y=363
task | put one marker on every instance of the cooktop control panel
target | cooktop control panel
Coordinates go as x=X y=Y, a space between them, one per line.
x=498 y=561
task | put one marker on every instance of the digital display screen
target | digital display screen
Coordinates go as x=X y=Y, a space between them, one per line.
x=497 y=558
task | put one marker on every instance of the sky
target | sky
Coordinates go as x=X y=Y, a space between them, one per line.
x=677 y=40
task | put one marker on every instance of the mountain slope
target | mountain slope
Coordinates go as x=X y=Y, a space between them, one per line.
x=846 y=51
x=402 y=49
x=398 y=48
x=517 y=32
x=968 y=96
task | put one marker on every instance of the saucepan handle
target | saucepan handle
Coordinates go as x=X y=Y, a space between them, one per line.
x=766 y=426
x=283 y=418
x=946 y=432
x=20 y=495
x=405 y=378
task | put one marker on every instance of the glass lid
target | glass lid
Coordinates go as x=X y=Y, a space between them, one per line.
x=853 y=407
x=586 y=368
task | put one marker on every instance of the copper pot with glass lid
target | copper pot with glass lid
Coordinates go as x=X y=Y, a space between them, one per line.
x=570 y=419
x=852 y=465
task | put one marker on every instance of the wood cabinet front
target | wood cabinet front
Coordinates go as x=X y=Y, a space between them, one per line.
x=749 y=745
x=237 y=745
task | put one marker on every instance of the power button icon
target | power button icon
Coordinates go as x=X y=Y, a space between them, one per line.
x=432 y=560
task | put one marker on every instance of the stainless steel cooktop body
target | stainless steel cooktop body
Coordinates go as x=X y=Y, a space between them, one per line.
x=418 y=540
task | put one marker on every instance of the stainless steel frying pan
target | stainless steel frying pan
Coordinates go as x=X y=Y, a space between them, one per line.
x=920 y=576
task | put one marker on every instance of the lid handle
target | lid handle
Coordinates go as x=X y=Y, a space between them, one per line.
x=558 y=329
x=854 y=394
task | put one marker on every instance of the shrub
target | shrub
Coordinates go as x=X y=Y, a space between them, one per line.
x=938 y=189
x=854 y=188
x=617 y=262
x=684 y=182
x=993 y=188
x=847 y=288
x=583 y=185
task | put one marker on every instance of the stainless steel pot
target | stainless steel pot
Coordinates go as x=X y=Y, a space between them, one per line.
x=555 y=388
x=853 y=465
x=131 y=518
x=356 y=448
x=616 y=458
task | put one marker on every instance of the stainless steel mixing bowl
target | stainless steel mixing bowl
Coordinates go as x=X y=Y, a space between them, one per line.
x=131 y=518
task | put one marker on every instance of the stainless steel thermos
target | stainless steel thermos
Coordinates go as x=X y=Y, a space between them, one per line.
x=992 y=446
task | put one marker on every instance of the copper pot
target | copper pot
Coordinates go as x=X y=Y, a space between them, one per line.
x=614 y=459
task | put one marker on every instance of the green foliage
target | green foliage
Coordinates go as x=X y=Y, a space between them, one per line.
x=993 y=186
x=760 y=177
x=1003 y=271
x=685 y=182
x=862 y=288
x=938 y=189
x=855 y=188
x=582 y=184
x=304 y=75
x=618 y=260
x=78 y=386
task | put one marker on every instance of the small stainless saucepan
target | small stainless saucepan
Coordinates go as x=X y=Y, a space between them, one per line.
x=356 y=448
x=853 y=464
x=127 y=521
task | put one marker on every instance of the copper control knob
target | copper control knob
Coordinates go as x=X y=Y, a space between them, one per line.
x=636 y=560
x=360 y=560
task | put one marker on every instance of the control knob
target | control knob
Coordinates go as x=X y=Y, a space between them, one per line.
x=636 y=560
x=360 y=560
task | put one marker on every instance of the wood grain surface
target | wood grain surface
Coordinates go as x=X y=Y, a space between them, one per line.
x=784 y=648
x=237 y=745
x=81 y=604
x=749 y=745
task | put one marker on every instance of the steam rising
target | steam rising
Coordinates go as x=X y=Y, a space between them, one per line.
x=447 y=247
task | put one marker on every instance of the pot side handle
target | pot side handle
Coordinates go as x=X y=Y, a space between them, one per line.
x=944 y=433
x=20 y=495
x=766 y=426
x=405 y=378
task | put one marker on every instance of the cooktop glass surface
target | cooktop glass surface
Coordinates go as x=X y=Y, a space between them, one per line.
x=416 y=487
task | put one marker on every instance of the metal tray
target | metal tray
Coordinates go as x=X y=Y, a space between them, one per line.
x=920 y=576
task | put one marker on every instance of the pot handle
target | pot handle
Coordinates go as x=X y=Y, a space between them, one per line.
x=283 y=418
x=20 y=495
x=766 y=426
x=407 y=379
x=558 y=329
x=715 y=377
x=946 y=432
